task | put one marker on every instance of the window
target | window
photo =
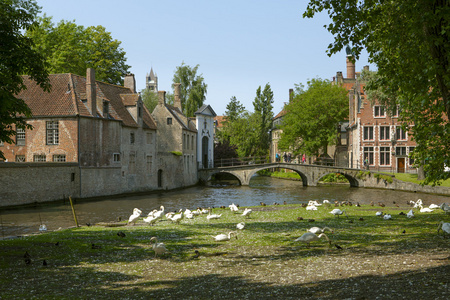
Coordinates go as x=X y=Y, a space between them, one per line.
x=20 y=137
x=39 y=158
x=385 y=156
x=400 y=134
x=192 y=144
x=52 y=133
x=384 y=133
x=368 y=153
x=411 y=158
x=105 y=109
x=368 y=133
x=359 y=103
x=169 y=121
x=116 y=157
x=131 y=137
x=20 y=158
x=149 y=163
x=187 y=139
x=379 y=112
x=396 y=111
x=59 y=158
x=400 y=151
x=149 y=138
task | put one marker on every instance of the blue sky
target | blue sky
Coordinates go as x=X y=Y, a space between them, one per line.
x=239 y=44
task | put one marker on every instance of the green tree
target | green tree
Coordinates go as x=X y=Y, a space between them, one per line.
x=193 y=88
x=264 y=115
x=233 y=113
x=409 y=42
x=17 y=57
x=72 y=48
x=312 y=117
x=149 y=98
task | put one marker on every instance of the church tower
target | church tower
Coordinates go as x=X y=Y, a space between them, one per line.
x=151 y=82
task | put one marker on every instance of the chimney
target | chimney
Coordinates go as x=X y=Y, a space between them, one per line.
x=91 y=91
x=339 y=77
x=291 y=94
x=350 y=68
x=130 y=82
x=177 y=100
x=161 y=97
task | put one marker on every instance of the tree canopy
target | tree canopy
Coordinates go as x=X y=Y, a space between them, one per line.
x=312 y=117
x=17 y=57
x=264 y=115
x=149 y=98
x=409 y=42
x=72 y=48
x=193 y=88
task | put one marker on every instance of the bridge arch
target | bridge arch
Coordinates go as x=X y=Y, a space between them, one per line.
x=350 y=176
x=302 y=175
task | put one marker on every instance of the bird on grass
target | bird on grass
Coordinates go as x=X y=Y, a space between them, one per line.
x=338 y=247
x=177 y=217
x=233 y=207
x=213 y=216
x=387 y=217
x=27 y=258
x=299 y=218
x=196 y=255
x=240 y=225
x=247 y=212
x=445 y=227
x=121 y=234
x=410 y=214
x=159 y=248
x=44 y=262
x=404 y=231
x=361 y=219
x=309 y=237
x=133 y=218
x=425 y=209
x=445 y=207
x=317 y=230
x=224 y=237
x=338 y=212
x=93 y=246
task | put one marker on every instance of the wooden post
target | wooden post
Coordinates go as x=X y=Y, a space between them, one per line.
x=73 y=211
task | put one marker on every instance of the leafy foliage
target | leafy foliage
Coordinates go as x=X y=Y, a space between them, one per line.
x=264 y=115
x=193 y=88
x=311 y=119
x=409 y=42
x=149 y=98
x=72 y=48
x=17 y=58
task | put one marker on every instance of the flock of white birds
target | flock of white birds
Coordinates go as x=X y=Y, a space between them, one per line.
x=313 y=234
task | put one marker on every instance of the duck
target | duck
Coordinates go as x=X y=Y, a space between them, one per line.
x=133 y=218
x=425 y=209
x=410 y=214
x=240 y=225
x=445 y=227
x=338 y=212
x=233 y=207
x=224 y=237
x=317 y=230
x=309 y=237
x=159 y=248
x=247 y=212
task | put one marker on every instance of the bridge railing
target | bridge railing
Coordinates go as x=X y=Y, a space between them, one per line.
x=239 y=161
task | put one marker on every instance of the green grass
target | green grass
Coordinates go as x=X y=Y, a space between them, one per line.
x=126 y=266
x=407 y=177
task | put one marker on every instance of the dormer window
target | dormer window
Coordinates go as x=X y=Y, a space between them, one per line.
x=105 y=109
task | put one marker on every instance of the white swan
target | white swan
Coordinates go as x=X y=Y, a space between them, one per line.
x=379 y=213
x=433 y=206
x=309 y=237
x=445 y=227
x=311 y=207
x=133 y=218
x=387 y=217
x=425 y=209
x=224 y=237
x=213 y=216
x=233 y=207
x=150 y=220
x=159 y=248
x=418 y=203
x=313 y=203
x=317 y=230
x=338 y=212
x=410 y=214
x=247 y=212
x=177 y=217
x=159 y=213
x=151 y=214
x=240 y=225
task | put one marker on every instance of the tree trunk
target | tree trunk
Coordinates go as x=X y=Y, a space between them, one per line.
x=420 y=172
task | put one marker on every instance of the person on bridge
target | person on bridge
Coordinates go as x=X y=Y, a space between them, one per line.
x=285 y=157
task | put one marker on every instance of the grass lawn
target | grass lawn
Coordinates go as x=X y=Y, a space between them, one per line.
x=387 y=259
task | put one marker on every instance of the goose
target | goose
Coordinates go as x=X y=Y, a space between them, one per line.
x=425 y=209
x=445 y=207
x=387 y=217
x=224 y=237
x=309 y=237
x=136 y=214
x=240 y=225
x=410 y=214
x=433 y=206
x=338 y=212
x=247 y=212
x=445 y=227
x=317 y=230
x=159 y=248
x=233 y=207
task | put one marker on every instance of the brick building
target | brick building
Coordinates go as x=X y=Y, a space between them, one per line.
x=373 y=135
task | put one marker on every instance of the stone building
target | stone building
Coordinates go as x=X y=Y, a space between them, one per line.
x=151 y=82
x=205 y=124
x=372 y=133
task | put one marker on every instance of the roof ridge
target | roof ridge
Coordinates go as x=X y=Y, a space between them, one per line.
x=74 y=95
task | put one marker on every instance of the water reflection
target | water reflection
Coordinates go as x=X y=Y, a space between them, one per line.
x=261 y=189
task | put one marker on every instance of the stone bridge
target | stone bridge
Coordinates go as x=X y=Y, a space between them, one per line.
x=310 y=174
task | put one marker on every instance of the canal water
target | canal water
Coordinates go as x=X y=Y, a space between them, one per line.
x=22 y=221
